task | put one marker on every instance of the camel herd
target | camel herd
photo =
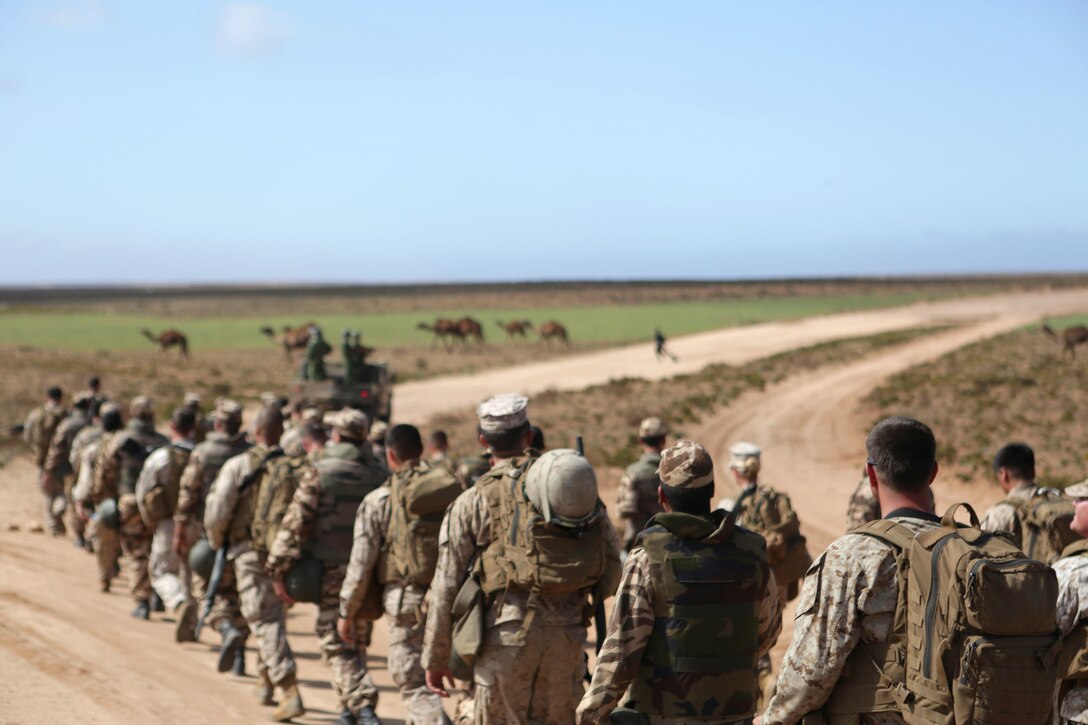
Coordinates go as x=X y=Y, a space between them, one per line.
x=1070 y=337
x=465 y=330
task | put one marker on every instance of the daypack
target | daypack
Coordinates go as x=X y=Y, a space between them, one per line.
x=1044 y=524
x=277 y=488
x=771 y=514
x=980 y=637
x=419 y=498
x=161 y=500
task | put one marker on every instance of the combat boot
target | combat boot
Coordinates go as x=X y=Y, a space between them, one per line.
x=185 y=629
x=264 y=689
x=346 y=718
x=105 y=586
x=79 y=542
x=156 y=603
x=142 y=610
x=367 y=716
x=290 y=704
x=233 y=642
x=239 y=668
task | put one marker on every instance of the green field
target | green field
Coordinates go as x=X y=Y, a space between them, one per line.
x=600 y=324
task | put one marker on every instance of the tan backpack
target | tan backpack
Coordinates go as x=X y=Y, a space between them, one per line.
x=1044 y=524
x=980 y=633
x=771 y=514
x=161 y=500
x=278 y=486
x=419 y=498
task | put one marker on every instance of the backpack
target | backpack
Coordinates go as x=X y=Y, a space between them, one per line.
x=980 y=637
x=277 y=488
x=161 y=500
x=771 y=514
x=1044 y=524
x=419 y=498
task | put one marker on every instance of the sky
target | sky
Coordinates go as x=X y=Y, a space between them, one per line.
x=211 y=141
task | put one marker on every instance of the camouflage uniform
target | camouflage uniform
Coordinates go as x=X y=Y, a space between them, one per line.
x=1002 y=516
x=116 y=473
x=864 y=506
x=38 y=431
x=402 y=604
x=58 y=466
x=530 y=674
x=107 y=543
x=311 y=524
x=1072 y=571
x=849 y=596
x=204 y=464
x=225 y=515
x=636 y=500
x=169 y=574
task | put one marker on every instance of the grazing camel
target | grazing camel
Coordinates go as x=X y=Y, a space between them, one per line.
x=470 y=328
x=292 y=338
x=515 y=328
x=1070 y=337
x=443 y=329
x=168 y=339
x=553 y=330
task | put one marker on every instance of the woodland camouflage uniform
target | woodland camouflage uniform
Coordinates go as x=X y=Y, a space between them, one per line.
x=319 y=521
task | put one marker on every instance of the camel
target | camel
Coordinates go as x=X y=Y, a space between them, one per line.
x=552 y=329
x=1070 y=337
x=168 y=339
x=515 y=328
x=292 y=338
x=443 y=330
x=470 y=328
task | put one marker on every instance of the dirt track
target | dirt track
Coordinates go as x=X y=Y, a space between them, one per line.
x=68 y=653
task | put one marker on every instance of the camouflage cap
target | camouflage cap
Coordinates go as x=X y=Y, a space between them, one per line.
x=349 y=423
x=1077 y=490
x=227 y=409
x=378 y=431
x=652 y=428
x=311 y=415
x=505 y=411
x=192 y=399
x=686 y=464
x=140 y=406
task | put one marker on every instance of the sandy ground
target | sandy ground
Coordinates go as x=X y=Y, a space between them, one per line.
x=71 y=654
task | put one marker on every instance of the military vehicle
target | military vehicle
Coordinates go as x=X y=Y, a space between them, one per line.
x=373 y=394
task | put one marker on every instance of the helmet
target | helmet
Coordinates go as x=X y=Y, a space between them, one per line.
x=561 y=485
x=108 y=514
x=202 y=558
x=303 y=580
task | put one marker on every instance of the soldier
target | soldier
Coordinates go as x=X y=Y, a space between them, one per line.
x=851 y=594
x=438 y=447
x=316 y=350
x=301 y=417
x=81 y=459
x=1072 y=572
x=637 y=499
x=228 y=520
x=116 y=471
x=38 y=430
x=192 y=401
x=535 y=580
x=94 y=390
x=1014 y=467
x=471 y=468
x=668 y=661
x=157 y=491
x=319 y=522
x=104 y=535
x=396 y=538
x=58 y=471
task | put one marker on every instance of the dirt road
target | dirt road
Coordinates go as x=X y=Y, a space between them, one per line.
x=71 y=654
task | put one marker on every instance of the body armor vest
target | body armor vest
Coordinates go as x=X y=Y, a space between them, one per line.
x=418 y=499
x=145 y=439
x=700 y=661
x=346 y=474
x=242 y=520
x=217 y=449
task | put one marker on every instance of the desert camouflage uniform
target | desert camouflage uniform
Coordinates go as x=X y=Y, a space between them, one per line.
x=1072 y=574
x=636 y=500
x=350 y=677
x=849 y=595
x=863 y=506
x=629 y=631
x=38 y=431
x=169 y=574
x=1002 y=515
x=261 y=607
x=88 y=435
x=58 y=465
x=403 y=605
x=107 y=543
x=531 y=676
x=196 y=480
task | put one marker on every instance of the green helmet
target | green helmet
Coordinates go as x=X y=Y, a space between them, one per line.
x=303 y=580
x=108 y=514
x=202 y=558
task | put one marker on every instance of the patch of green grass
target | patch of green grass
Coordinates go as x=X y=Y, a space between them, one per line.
x=600 y=324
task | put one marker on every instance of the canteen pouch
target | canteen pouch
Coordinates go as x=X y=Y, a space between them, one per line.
x=1006 y=680
x=468 y=628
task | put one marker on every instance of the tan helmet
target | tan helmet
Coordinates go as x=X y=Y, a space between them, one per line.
x=561 y=485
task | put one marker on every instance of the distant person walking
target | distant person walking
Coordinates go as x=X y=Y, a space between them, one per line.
x=660 y=350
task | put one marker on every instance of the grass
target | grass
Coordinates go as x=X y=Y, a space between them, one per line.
x=83 y=331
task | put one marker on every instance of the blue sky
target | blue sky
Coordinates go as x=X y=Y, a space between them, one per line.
x=415 y=141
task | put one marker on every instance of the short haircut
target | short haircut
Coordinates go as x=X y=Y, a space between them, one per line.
x=653 y=441
x=1018 y=459
x=315 y=432
x=903 y=451
x=54 y=393
x=537 y=443
x=405 y=442
x=94 y=382
x=112 y=420
x=694 y=501
x=269 y=423
x=82 y=403
x=183 y=419
x=231 y=424
x=506 y=441
x=439 y=439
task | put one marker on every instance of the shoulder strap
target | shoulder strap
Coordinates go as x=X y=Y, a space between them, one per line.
x=1077 y=548
x=890 y=532
x=255 y=474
